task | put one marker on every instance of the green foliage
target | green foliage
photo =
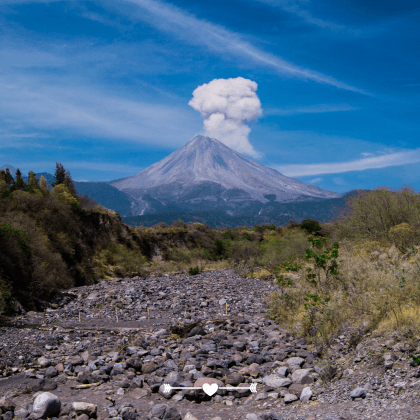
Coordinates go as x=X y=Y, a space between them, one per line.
x=59 y=174
x=19 y=183
x=220 y=247
x=325 y=262
x=373 y=214
x=288 y=266
x=193 y=271
x=311 y=226
x=415 y=358
x=17 y=234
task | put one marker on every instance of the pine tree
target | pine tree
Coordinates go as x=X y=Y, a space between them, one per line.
x=19 y=182
x=69 y=183
x=59 y=174
x=32 y=181
x=9 y=178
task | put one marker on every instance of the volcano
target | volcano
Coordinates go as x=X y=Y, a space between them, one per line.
x=206 y=175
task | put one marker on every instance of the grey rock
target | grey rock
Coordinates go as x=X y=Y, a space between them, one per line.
x=302 y=376
x=158 y=411
x=276 y=381
x=358 y=393
x=46 y=405
x=172 y=414
x=43 y=362
x=22 y=413
x=289 y=398
x=51 y=372
x=306 y=394
x=282 y=371
x=85 y=408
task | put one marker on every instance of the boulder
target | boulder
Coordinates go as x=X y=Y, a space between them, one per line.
x=302 y=376
x=46 y=405
x=85 y=408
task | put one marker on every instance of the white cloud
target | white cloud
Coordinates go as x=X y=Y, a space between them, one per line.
x=27 y=103
x=171 y=19
x=383 y=161
x=315 y=180
x=228 y=106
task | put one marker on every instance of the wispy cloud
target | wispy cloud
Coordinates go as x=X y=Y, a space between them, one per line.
x=30 y=104
x=218 y=39
x=304 y=14
x=311 y=109
x=382 y=161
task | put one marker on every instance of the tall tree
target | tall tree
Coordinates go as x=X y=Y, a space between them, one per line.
x=19 y=182
x=9 y=178
x=59 y=174
x=43 y=184
x=32 y=181
x=69 y=183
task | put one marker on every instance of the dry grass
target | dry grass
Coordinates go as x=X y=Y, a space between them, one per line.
x=376 y=284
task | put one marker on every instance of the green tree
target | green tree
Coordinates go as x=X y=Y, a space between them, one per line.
x=32 y=182
x=19 y=183
x=43 y=185
x=8 y=177
x=69 y=183
x=59 y=174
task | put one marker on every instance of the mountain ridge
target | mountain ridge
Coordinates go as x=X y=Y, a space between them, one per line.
x=204 y=159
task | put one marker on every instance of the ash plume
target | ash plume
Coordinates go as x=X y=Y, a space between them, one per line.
x=229 y=106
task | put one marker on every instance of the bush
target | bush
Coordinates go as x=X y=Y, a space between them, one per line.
x=373 y=214
x=311 y=226
x=193 y=271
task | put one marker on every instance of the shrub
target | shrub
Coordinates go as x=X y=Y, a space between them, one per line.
x=193 y=271
x=374 y=213
x=311 y=226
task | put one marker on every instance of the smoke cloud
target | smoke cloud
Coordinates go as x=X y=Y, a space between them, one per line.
x=229 y=106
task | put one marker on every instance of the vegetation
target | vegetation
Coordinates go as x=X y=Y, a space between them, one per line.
x=362 y=269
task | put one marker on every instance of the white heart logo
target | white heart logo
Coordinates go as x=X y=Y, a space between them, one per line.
x=210 y=389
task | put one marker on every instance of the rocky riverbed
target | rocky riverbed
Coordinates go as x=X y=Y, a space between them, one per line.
x=105 y=351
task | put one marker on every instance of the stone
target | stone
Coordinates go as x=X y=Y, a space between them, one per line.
x=135 y=363
x=85 y=408
x=271 y=416
x=46 y=405
x=189 y=416
x=6 y=404
x=302 y=376
x=22 y=413
x=389 y=359
x=149 y=367
x=358 y=393
x=251 y=416
x=289 y=398
x=8 y=415
x=261 y=396
x=282 y=371
x=276 y=381
x=234 y=379
x=140 y=393
x=306 y=394
x=43 y=362
x=295 y=362
x=241 y=393
x=158 y=411
x=51 y=372
x=74 y=360
x=172 y=414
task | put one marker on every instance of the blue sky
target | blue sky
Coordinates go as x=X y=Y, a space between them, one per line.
x=104 y=86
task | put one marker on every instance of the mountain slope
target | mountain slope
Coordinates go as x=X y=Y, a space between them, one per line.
x=207 y=160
